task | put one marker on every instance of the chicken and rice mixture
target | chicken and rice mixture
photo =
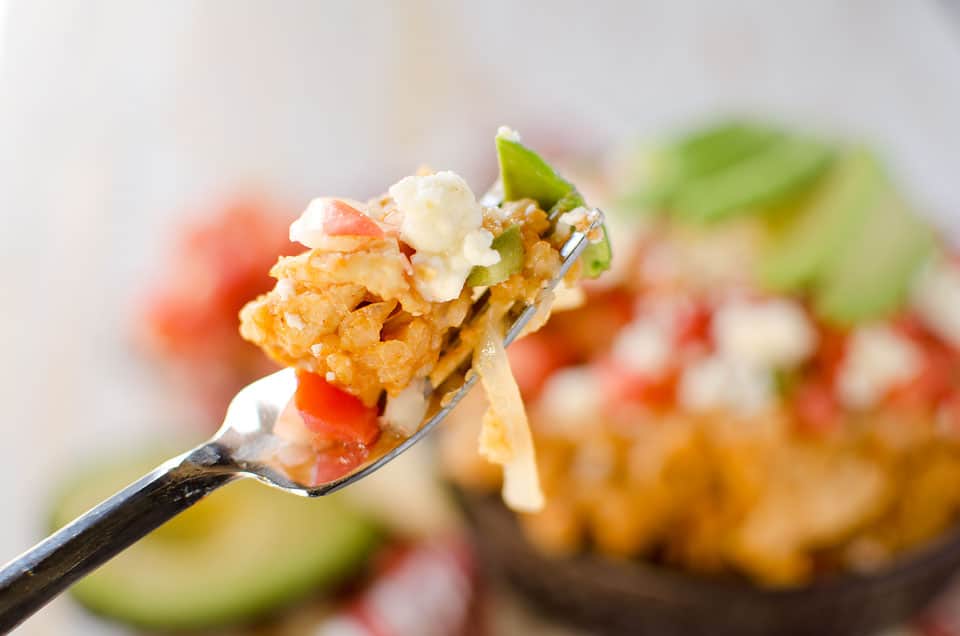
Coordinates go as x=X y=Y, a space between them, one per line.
x=735 y=399
x=370 y=315
x=350 y=309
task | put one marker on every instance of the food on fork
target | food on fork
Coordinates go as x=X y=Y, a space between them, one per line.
x=371 y=315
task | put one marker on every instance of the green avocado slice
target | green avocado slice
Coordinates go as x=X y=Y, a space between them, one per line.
x=525 y=175
x=871 y=276
x=817 y=232
x=761 y=179
x=243 y=552
x=510 y=246
x=701 y=152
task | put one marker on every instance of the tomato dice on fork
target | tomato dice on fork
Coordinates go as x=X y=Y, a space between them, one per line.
x=341 y=219
x=336 y=461
x=333 y=413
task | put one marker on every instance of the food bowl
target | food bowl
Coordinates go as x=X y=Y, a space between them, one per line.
x=637 y=598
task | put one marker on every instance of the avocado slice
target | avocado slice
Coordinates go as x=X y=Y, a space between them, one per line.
x=510 y=246
x=815 y=233
x=525 y=175
x=241 y=553
x=704 y=151
x=763 y=178
x=871 y=276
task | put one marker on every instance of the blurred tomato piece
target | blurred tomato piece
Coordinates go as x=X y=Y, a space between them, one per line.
x=190 y=317
x=816 y=407
x=623 y=385
x=425 y=589
x=533 y=358
x=592 y=328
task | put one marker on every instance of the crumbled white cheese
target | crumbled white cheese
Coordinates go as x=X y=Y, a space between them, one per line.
x=571 y=396
x=330 y=376
x=404 y=412
x=476 y=248
x=442 y=221
x=438 y=211
x=505 y=132
x=308 y=228
x=936 y=298
x=294 y=320
x=316 y=349
x=768 y=334
x=720 y=383
x=877 y=359
x=645 y=346
x=285 y=289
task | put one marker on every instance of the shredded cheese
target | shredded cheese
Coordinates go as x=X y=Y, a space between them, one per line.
x=505 y=436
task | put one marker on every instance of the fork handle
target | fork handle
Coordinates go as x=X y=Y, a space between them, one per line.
x=34 y=578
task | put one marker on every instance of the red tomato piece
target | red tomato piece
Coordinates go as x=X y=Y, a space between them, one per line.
x=333 y=413
x=340 y=219
x=590 y=329
x=189 y=317
x=620 y=385
x=693 y=326
x=938 y=371
x=533 y=358
x=950 y=411
x=933 y=383
x=831 y=353
x=817 y=407
x=911 y=326
x=336 y=461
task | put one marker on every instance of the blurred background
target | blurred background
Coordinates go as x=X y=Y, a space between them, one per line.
x=123 y=121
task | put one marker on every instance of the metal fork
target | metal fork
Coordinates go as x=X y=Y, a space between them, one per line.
x=245 y=446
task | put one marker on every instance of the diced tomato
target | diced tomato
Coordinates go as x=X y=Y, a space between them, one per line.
x=533 y=358
x=333 y=413
x=934 y=382
x=912 y=327
x=340 y=219
x=219 y=264
x=830 y=354
x=692 y=325
x=592 y=328
x=950 y=411
x=337 y=460
x=622 y=385
x=816 y=406
x=189 y=315
x=939 y=368
x=406 y=250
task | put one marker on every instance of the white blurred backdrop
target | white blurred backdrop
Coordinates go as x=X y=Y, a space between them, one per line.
x=117 y=117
